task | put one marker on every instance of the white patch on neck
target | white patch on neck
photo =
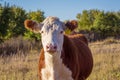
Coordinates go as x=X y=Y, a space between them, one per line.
x=55 y=69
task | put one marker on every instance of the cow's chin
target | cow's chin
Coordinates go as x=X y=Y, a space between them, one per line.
x=53 y=52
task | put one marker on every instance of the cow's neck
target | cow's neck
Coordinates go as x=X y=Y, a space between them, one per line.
x=55 y=69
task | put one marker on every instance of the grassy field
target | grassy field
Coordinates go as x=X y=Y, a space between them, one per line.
x=106 y=61
x=106 y=56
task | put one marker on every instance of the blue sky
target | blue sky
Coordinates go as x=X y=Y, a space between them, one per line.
x=65 y=9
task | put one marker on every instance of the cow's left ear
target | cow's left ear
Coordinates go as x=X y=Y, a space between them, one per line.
x=32 y=25
x=71 y=24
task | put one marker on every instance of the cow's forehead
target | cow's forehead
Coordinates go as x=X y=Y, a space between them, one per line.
x=52 y=22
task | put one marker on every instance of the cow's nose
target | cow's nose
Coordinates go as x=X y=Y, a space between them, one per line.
x=51 y=48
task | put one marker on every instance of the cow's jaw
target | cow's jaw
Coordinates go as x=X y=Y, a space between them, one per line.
x=55 y=69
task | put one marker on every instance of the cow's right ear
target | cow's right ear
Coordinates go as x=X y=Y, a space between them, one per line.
x=32 y=25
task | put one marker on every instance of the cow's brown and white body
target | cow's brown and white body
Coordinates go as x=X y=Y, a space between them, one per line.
x=63 y=57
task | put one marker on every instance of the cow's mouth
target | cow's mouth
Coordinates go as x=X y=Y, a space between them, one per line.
x=51 y=51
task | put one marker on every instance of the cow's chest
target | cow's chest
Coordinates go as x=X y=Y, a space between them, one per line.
x=55 y=69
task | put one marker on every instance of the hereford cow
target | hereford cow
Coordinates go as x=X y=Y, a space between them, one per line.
x=63 y=57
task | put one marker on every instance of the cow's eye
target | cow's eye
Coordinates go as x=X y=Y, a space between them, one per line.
x=61 y=32
x=42 y=32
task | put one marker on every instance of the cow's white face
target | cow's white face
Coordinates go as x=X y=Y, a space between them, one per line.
x=51 y=30
x=52 y=35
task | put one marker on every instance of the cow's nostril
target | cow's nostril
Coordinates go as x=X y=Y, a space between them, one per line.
x=51 y=48
x=47 y=47
x=55 y=47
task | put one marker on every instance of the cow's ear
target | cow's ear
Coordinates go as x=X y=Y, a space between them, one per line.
x=71 y=25
x=32 y=25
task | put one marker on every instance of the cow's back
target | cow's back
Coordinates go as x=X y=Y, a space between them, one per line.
x=80 y=37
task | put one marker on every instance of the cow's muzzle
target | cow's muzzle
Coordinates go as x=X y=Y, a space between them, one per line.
x=51 y=48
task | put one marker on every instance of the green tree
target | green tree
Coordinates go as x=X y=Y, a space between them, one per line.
x=36 y=15
x=5 y=17
x=86 y=19
x=104 y=23
x=11 y=21
x=18 y=21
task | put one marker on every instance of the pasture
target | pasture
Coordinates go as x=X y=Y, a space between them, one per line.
x=106 y=55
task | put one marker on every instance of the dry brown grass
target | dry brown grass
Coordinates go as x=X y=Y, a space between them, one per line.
x=24 y=67
x=106 y=60
x=19 y=67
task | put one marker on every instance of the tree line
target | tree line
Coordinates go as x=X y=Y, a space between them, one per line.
x=12 y=22
x=12 y=18
x=106 y=24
